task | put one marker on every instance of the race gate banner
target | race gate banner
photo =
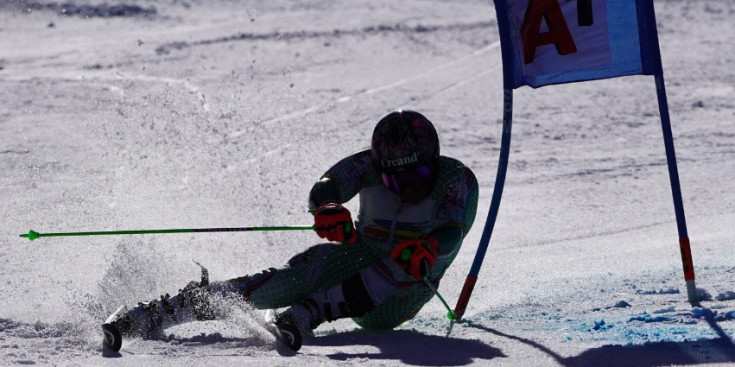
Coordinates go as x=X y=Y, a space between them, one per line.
x=563 y=41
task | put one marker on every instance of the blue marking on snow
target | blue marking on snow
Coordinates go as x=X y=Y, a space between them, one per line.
x=725 y=296
x=660 y=291
x=648 y=318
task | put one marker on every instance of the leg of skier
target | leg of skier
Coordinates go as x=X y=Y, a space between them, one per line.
x=318 y=268
x=371 y=298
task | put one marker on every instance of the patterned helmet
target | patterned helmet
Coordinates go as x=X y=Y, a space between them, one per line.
x=405 y=147
x=403 y=140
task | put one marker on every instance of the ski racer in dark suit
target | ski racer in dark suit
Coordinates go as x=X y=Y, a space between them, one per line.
x=415 y=208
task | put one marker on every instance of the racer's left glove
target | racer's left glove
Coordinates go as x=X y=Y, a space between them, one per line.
x=416 y=256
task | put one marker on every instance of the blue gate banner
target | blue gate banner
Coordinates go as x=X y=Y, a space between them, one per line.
x=564 y=41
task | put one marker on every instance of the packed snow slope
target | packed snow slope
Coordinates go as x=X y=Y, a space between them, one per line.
x=183 y=114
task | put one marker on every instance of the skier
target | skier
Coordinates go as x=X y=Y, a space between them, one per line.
x=415 y=209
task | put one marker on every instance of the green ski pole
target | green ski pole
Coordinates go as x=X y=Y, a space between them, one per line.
x=32 y=235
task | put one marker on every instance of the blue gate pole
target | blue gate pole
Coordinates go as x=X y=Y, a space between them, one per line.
x=686 y=252
x=492 y=215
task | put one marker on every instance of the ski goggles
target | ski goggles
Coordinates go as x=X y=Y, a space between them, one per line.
x=416 y=179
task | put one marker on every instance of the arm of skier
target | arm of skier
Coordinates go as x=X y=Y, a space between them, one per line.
x=340 y=184
x=460 y=218
x=418 y=256
x=449 y=239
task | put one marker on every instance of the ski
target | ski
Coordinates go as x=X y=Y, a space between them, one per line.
x=112 y=337
x=288 y=337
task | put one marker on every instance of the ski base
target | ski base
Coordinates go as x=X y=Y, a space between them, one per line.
x=288 y=337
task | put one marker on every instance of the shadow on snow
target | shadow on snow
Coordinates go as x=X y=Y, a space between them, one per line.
x=409 y=347
x=719 y=350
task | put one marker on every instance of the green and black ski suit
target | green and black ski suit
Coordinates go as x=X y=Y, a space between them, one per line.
x=394 y=296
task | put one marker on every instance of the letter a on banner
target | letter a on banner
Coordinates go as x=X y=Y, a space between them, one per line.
x=557 y=33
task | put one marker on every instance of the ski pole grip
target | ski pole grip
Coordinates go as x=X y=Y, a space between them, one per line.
x=350 y=234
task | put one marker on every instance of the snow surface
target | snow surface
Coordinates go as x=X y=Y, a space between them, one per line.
x=182 y=114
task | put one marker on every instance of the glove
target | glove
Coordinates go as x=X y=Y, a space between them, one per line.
x=416 y=256
x=334 y=222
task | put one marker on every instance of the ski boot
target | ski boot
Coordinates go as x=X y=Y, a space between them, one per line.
x=144 y=321
x=149 y=319
x=328 y=305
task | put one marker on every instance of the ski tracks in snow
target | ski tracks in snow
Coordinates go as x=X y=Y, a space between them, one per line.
x=468 y=61
x=185 y=83
x=103 y=81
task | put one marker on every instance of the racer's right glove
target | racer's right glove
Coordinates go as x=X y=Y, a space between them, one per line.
x=333 y=222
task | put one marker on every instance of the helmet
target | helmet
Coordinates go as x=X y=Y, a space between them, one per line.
x=405 y=147
x=403 y=140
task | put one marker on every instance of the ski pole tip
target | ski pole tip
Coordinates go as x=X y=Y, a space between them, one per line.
x=31 y=235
